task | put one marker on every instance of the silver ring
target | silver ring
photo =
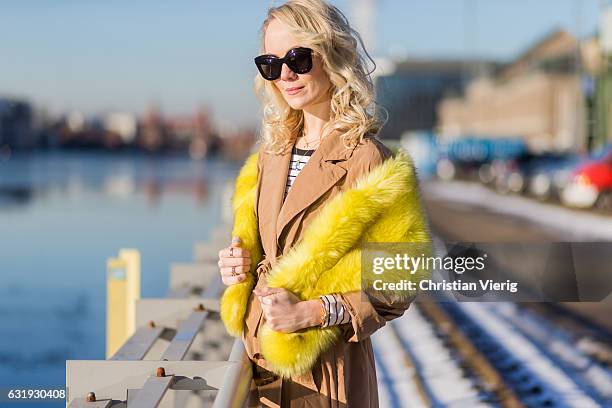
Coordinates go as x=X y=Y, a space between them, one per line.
x=234 y=271
x=231 y=251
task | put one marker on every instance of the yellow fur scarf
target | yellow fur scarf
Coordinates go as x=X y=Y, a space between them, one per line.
x=382 y=206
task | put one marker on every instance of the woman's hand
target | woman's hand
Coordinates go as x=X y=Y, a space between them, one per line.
x=234 y=263
x=285 y=312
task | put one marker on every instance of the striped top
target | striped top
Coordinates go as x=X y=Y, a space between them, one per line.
x=299 y=158
x=336 y=313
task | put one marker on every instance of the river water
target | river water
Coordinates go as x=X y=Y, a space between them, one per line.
x=61 y=216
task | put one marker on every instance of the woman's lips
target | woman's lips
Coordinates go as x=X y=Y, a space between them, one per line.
x=294 y=90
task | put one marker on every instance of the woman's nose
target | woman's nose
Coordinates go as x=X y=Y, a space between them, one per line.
x=287 y=73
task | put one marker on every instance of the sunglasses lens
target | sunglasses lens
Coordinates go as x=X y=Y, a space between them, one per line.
x=300 y=61
x=269 y=68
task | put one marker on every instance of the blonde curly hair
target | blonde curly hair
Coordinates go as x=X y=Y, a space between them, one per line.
x=326 y=30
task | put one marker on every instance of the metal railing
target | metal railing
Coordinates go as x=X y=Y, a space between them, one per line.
x=160 y=364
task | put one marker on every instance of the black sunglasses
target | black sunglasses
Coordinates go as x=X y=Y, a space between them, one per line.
x=298 y=59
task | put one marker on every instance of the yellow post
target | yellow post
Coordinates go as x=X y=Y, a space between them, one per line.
x=132 y=261
x=122 y=290
x=116 y=304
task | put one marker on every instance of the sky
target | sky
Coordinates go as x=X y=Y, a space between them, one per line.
x=119 y=55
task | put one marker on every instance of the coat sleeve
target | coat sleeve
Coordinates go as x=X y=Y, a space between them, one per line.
x=369 y=314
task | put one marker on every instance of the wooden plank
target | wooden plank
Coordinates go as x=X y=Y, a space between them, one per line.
x=82 y=403
x=214 y=288
x=186 y=333
x=152 y=392
x=111 y=379
x=137 y=346
x=181 y=292
x=169 y=312
x=237 y=380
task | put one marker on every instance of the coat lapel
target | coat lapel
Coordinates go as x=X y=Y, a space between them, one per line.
x=322 y=171
x=270 y=199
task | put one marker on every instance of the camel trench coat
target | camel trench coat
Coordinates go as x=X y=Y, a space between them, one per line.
x=344 y=375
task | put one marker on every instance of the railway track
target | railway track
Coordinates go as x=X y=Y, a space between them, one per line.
x=460 y=354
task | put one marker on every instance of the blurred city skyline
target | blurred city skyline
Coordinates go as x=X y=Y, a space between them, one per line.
x=98 y=57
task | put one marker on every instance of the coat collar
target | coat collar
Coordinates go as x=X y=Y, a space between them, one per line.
x=324 y=168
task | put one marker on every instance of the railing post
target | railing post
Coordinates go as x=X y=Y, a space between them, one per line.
x=236 y=387
x=132 y=261
x=122 y=290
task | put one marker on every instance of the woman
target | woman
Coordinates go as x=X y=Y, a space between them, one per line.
x=319 y=186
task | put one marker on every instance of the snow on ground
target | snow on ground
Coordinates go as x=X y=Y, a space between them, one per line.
x=575 y=224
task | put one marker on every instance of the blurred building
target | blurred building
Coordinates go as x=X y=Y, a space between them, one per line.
x=193 y=133
x=602 y=101
x=236 y=142
x=411 y=93
x=363 y=16
x=76 y=131
x=152 y=135
x=121 y=128
x=24 y=127
x=541 y=97
x=16 y=124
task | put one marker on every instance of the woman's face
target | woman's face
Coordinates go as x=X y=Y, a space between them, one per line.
x=314 y=84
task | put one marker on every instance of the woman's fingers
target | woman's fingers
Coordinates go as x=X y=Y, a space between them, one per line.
x=234 y=263
x=234 y=270
x=234 y=252
x=232 y=280
x=268 y=300
x=224 y=262
x=266 y=291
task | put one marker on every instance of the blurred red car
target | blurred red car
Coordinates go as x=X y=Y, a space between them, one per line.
x=591 y=184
